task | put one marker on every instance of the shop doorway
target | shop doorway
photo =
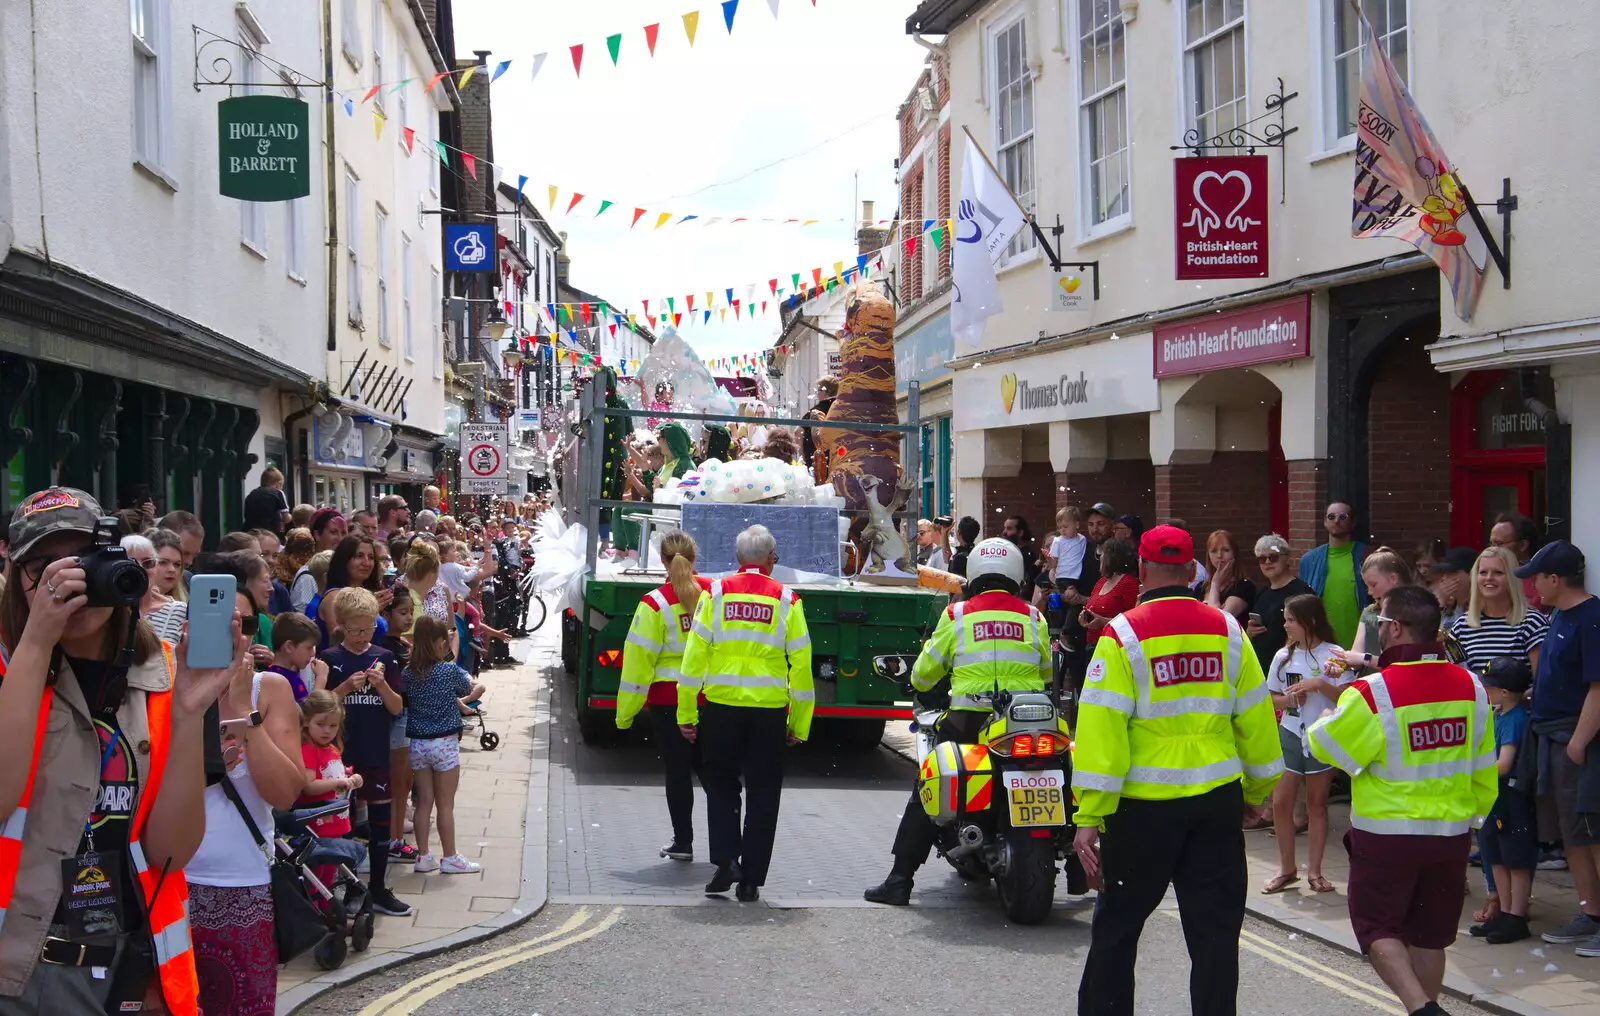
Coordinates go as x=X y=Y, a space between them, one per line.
x=1497 y=453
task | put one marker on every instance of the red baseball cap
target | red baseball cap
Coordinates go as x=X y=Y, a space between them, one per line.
x=1166 y=545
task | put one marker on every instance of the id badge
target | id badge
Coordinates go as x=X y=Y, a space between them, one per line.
x=91 y=898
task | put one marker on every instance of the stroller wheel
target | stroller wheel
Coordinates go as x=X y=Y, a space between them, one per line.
x=361 y=933
x=331 y=952
x=490 y=740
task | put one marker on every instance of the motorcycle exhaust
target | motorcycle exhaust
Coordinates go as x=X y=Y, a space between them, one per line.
x=969 y=838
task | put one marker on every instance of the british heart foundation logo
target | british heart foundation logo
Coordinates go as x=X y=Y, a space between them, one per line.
x=1008 y=390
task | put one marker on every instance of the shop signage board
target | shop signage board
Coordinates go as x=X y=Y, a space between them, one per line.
x=264 y=146
x=483 y=458
x=1264 y=333
x=1104 y=378
x=1221 y=217
x=470 y=247
x=1070 y=293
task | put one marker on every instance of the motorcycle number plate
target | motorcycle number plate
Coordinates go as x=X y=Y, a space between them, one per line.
x=1036 y=798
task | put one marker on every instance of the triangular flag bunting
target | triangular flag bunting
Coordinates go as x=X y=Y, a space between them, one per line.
x=585 y=315
x=499 y=69
x=796 y=281
x=637 y=214
x=938 y=238
x=816 y=276
x=763 y=306
x=577 y=59
x=677 y=319
x=774 y=284
x=711 y=299
x=724 y=312
x=691 y=25
x=471 y=163
x=838 y=270
x=370 y=93
x=672 y=303
x=522 y=182
x=911 y=246
x=614 y=45
x=538 y=64
x=467 y=74
x=729 y=9
x=652 y=320
x=349 y=107
x=650 y=33
x=736 y=309
x=410 y=139
x=377 y=123
x=689 y=299
x=553 y=190
x=613 y=330
x=434 y=80
x=647 y=307
x=662 y=220
x=575 y=199
x=442 y=152
x=707 y=321
x=603 y=206
x=686 y=218
x=861 y=264
x=774 y=5
x=730 y=297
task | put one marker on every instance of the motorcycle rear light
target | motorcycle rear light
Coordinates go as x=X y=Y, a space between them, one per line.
x=1022 y=744
x=1028 y=712
x=1040 y=834
x=609 y=657
x=1046 y=745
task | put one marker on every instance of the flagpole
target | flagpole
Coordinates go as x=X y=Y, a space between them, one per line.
x=997 y=174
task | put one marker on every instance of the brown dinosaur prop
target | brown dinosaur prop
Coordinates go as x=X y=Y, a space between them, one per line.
x=866 y=395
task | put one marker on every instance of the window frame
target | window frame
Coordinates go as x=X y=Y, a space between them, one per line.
x=1322 y=42
x=152 y=124
x=1088 y=229
x=403 y=94
x=350 y=34
x=380 y=36
x=408 y=340
x=252 y=214
x=1186 y=50
x=1023 y=246
x=354 y=311
x=381 y=222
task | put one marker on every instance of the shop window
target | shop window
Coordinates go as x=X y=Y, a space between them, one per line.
x=1103 y=118
x=1504 y=420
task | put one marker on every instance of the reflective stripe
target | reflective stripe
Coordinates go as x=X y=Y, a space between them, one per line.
x=979 y=656
x=1096 y=781
x=1134 y=651
x=716 y=611
x=1411 y=826
x=643 y=643
x=797 y=643
x=968 y=702
x=803 y=696
x=173 y=940
x=667 y=674
x=1394 y=748
x=704 y=632
x=631 y=688
x=1488 y=760
x=1234 y=661
x=1264 y=771
x=1185 y=777
x=14 y=824
x=765 y=638
x=1335 y=750
x=933 y=654
x=1425 y=771
x=1249 y=700
x=746 y=681
x=1107 y=699
x=961 y=629
x=690 y=681
x=1188 y=705
x=140 y=866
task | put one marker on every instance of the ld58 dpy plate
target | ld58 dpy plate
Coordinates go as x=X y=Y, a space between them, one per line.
x=1036 y=798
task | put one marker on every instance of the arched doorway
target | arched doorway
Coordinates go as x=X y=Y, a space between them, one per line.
x=1497 y=452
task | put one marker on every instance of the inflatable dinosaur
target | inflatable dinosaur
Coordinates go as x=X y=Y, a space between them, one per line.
x=866 y=395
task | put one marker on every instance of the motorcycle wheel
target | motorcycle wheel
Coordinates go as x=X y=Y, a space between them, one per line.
x=1028 y=887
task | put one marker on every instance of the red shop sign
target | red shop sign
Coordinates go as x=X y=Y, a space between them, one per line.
x=1222 y=217
x=1265 y=333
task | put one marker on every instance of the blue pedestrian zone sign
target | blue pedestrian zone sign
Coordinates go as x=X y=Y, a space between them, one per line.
x=469 y=248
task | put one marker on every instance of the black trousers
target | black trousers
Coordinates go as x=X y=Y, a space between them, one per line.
x=742 y=748
x=681 y=759
x=1195 y=844
x=917 y=833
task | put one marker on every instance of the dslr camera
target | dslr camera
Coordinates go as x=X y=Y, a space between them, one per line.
x=112 y=579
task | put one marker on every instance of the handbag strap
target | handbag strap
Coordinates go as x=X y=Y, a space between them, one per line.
x=244 y=813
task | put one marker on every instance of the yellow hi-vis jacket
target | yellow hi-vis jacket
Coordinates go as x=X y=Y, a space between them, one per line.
x=749 y=646
x=1418 y=742
x=1174 y=705
x=652 y=658
x=992 y=642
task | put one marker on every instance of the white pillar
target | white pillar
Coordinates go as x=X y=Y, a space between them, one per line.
x=1078 y=446
x=1578 y=403
x=979 y=454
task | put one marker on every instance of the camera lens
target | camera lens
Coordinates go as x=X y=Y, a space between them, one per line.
x=112 y=579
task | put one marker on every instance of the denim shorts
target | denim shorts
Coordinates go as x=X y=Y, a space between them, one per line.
x=1295 y=757
x=397 y=733
x=440 y=754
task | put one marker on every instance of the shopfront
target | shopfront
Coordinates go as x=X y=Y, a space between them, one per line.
x=1497 y=450
x=411 y=466
x=920 y=354
x=348 y=454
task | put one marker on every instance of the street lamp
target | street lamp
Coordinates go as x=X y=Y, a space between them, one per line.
x=513 y=356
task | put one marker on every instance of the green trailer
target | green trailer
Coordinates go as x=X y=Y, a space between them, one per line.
x=852 y=623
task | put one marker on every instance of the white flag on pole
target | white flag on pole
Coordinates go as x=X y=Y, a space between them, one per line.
x=987 y=218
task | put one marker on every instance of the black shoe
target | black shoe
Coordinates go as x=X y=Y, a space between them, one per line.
x=1485 y=927
x=1431 y=1009
x=678 y=851
x=726 y=875
x=384 y=901
x=748 y=892
x=1510 y=928
x=895 y=891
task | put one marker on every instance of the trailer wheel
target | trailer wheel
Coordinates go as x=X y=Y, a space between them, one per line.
x=598 y=727
x=858 y=735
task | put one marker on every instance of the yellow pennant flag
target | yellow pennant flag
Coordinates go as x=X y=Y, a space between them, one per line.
x=838 y=270
x=467 y=74
x=724 y=313
x=633 y=321
x=711 y=300
x=377 y=123
x=553 y=190
x=662 y=221
x=691 y=24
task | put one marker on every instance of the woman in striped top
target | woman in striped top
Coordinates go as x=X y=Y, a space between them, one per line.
x=1498 y=621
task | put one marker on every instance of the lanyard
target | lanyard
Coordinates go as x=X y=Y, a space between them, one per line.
x=105 y=759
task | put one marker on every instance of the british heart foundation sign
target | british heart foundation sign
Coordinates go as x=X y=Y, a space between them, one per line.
x=1222 y=217
x=1264 y=333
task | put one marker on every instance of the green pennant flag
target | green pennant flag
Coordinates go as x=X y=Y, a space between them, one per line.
x=614 y=44
x=938 y=238
x=605 y=311
x=603 y=206
x=444 y=155
x=796 y=279
x=672 y=304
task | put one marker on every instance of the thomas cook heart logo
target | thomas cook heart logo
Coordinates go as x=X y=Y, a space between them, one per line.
x=1070 y=283
x=1008 y=390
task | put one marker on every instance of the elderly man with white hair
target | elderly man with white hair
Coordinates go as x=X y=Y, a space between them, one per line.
x=749 y=652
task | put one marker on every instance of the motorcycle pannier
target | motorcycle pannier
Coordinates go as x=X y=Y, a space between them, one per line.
x=956 y=780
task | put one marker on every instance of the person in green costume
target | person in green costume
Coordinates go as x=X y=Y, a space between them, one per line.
x=677 y=453
x=719 y=443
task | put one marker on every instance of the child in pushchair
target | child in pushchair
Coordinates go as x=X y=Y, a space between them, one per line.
x=337 y=916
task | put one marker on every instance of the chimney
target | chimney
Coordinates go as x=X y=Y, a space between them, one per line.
x=869 y=237
x=563 y=261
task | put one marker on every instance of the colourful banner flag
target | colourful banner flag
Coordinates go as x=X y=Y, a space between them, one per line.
x=637 y=214
x=499 y=69
x=650 y=34
x=467 y=74
x=603 y=206
x=689 y=301
x=662 y=220
x=377 y=123
x=691 y=25
x=774 y=5
x=729 y=9
x=538 y=65
x=577 y=59
x=614 y=45
x=774 y=284
x=434 y=81
x=553 y=190
x=471 y=164
x=522 y=182
x=576 y=197
x=410 y=137
x=370 y=93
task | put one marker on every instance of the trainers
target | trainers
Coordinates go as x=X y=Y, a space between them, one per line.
x=425 y=863
x=1553 y=864
x=1591 y=947
x=1580 y=929
x=678 y=851
x=384 y=901
x=455 y=864
x=399 y=850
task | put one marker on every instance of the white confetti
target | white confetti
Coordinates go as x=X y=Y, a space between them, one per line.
x=517 y=911
x=1550 y=968
x=1293 y=936
x=1519 y=970
x=1539 y=952
x=1496 y=973
x=483 y=843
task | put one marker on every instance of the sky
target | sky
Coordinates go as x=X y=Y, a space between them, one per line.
x=688 y=132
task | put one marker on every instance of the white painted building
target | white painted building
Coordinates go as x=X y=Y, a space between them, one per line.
x=151 y=330
x=1081 y=103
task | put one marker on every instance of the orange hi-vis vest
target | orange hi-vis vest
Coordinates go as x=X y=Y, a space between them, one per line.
x=166 y=894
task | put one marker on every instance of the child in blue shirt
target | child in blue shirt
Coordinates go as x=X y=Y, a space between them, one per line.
x=1508 y=839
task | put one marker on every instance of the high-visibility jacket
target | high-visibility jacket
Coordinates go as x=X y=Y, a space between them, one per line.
x=653 y=655
x=1418 y=742
x=749 y=646
x=1174 y=705
x=992 y=642
x=166 y=895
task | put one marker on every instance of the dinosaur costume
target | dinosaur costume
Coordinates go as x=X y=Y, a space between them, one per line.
x=866 y=395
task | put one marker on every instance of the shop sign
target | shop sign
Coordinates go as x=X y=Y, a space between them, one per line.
x=470 y=247
x=1265 y=333
x=264 y=146
x=1221 y=217
x=1069 y=293
x=483 y=458
x=1104 y=378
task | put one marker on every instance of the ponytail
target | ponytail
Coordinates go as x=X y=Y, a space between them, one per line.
x=678 y=549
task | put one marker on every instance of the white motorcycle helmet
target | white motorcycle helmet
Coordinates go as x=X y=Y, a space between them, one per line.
x=995 y=563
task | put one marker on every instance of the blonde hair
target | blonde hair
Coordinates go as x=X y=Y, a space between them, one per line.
x=1519 y=602
x=318 y=567
x=1389 y=561
x=1069 y=512
x=422 y=560
x=425 y=639
x=678 y=551
x=321 y=703
x=353 y=603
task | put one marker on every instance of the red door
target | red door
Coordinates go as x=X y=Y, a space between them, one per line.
x=1497 y=455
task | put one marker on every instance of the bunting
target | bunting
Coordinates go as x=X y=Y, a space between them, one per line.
x=650 y=34
x=691 y=25
x=410 y=136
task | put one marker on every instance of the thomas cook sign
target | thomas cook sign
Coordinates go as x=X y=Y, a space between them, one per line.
x=265 y=148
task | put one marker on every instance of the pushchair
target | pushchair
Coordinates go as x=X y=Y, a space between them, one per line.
x=344 y=904
x=471 y=651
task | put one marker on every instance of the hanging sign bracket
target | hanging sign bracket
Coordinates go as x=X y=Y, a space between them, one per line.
x=1052 y=253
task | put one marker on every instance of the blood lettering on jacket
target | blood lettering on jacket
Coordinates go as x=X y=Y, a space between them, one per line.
x=1186 y=668
x=1445 y=733
x=744 y=610
x=985 y=631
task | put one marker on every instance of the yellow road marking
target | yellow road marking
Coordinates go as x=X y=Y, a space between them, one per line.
x=377 y=1007
x=1339 y=981
x=414 y=1000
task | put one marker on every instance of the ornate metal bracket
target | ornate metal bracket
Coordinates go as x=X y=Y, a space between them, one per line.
x=1055 y=258
x=221 y=52
x=1241 y=138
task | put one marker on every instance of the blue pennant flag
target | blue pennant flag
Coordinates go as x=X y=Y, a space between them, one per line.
x=499 y=69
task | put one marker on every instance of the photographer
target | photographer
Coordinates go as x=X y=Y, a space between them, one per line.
x=84 y=682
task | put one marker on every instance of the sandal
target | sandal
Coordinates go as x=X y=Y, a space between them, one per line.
x=1278 y=883
x=1260 y=822
x=1490 y=908
x=1319 y=884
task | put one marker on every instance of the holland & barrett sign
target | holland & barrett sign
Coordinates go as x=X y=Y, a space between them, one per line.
x=265 y=148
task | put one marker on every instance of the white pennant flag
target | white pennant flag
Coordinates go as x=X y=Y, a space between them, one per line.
x=774 y=5
x=988 y=217
x=538 y=64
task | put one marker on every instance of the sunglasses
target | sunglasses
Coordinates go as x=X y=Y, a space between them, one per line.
x=1384 y=620
x=1267 y=558
x=1338 y=516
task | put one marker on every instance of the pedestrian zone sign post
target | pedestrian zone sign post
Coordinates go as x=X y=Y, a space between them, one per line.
x=483 y=458
x=264 y=148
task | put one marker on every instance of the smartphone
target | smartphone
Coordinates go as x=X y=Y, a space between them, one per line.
x=1253 y=618
x=212 y=601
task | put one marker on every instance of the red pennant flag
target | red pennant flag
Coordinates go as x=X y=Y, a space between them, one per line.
x=690 y=298
x=613 y=330
x=774 y=284
x=434 y=80
x=647 y=307
x=411 y=139
x=652 y=320
x=471 y=162
x=370 y=93
x=586 y=315
x=816 y=275
x=911 y=246
x=650 y=33
x=677 y=319
x=736 y=310
x=577 y=59
x=637 y=214
x=575 y=199
x=763 y=306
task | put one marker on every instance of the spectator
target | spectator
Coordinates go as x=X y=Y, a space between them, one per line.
x=780 y=445
x=255 y=582
x=455 y=575
x=429 y=596
x=328 y=527
x=1520 y=535
x=266 y=507
x=1332 y=573
x=1508 y=839
x=1382 y=570
x=393 y=515
x=294 y=655
x=967 y=533
x=139 y=498
x=436 y=689
x=1072 y=568
x=1227 y=588
x=168 y=574
x=317 y=568
x=1016 y=529
x=354 y=563
x=300 y=517
x=271 y=550
x=1429 y=553
x=1127 y=529
x=191 y=534
x=1266 y=628
x=232 y=543
x=827 y=391
x=363 y=522
x=298 y=546
x=1097 y=524
x=1303 y=695
x=432 y=499
x=129 y=522
x=1452 y=582
x=927 y=541
x=1116 y=592
x=164 y=614
x=427 y=521
x=1566 y=713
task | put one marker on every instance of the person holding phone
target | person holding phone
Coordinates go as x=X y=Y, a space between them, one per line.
x=82 y=683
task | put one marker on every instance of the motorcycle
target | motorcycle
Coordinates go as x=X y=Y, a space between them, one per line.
x=1003 y=806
